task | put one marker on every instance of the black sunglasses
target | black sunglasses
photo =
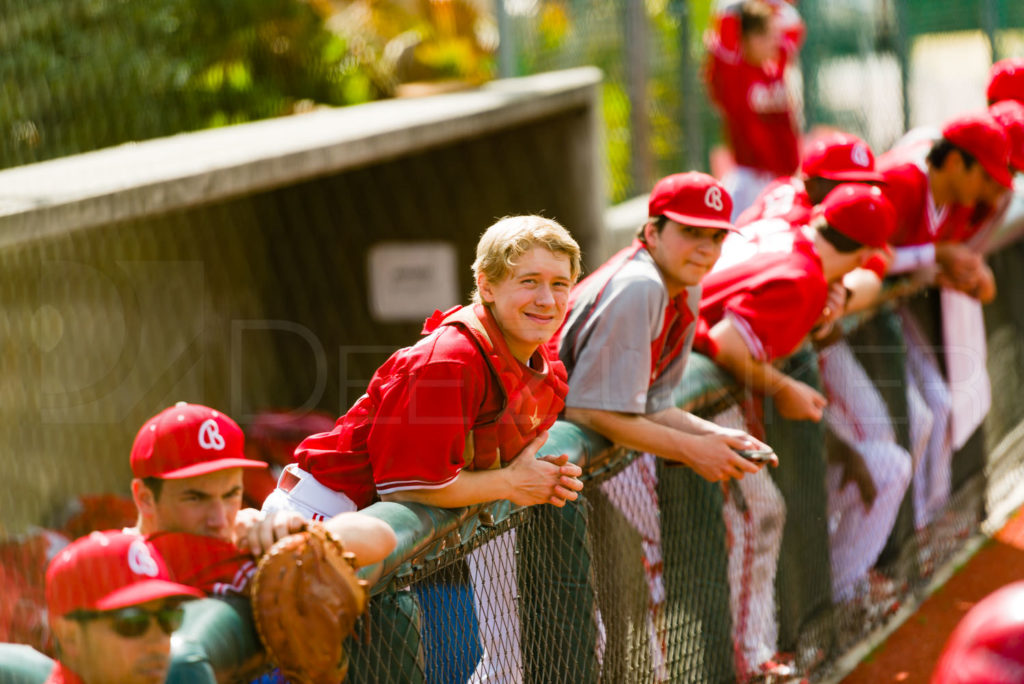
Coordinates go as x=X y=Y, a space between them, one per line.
x=132 y=622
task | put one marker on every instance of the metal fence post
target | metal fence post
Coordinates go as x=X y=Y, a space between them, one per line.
x=990 y=23
x=693 y=130
x=506 y=42
x=636 y=76
x=903 y=56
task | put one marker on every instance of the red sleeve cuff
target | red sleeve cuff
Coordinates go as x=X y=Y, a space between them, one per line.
x=877 y=265
x=702 y=341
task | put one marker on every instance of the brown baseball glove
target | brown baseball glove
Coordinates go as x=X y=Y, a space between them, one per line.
x=305 y=601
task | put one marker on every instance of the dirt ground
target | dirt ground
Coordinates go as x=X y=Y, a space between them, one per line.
x=909 y=655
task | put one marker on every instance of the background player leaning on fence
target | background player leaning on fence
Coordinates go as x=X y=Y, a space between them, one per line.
x=762 y=301
x=936 y=187
x=868 y=472
x=625 y=344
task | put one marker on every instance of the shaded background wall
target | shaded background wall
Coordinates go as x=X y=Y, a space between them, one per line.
x=256 y=302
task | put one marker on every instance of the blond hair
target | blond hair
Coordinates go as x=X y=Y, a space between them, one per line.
x=509 y=238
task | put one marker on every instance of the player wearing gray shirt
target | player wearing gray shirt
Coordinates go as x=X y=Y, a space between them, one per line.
x=625 y=344
x=630 y=327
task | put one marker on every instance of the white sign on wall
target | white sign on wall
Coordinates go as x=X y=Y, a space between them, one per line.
x=409 y=280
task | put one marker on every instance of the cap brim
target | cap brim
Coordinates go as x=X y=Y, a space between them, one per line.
x=142 y=592
x=700 y=222
x=999 y=173
x=855 y=176
x=212 y=467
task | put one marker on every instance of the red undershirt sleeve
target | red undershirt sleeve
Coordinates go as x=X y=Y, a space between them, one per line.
x=419 y=433
x=777 y=315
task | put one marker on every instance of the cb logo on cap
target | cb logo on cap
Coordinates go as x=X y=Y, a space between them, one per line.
x=713 y=198
x=209 y=435
x=140 y=561
x=859 y=155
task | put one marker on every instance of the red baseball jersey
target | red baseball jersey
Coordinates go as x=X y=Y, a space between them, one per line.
x=774 y=292
x=755 y=105
x=918 y=220
x=458 y=399
x=213 y=566
x=785 y=198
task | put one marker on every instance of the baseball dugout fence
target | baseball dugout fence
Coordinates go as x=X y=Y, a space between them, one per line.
x=633 y=582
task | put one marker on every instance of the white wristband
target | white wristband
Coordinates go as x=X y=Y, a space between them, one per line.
x=908 y=259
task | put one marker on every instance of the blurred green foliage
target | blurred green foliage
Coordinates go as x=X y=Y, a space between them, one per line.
x=78 y=75
x=84 y=74
x=403 y=41
x=558 y=34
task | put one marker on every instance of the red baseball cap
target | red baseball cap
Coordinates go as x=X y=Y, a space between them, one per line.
x=187 y=440
x=106 y=571
x=693 y=199
x=1006 y=80
x=842 y=157
x=1010 y=114
x=861 y=213
x=985 y=646
x=984 y=139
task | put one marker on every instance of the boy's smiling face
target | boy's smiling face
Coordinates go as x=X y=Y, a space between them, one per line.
x=530 y=303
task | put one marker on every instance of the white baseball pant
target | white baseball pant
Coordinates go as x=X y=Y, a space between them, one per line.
x=634 y=491
x=492 y=568
x=300 y=492
x=857 y=414
x=932 y=473
x=755 y=514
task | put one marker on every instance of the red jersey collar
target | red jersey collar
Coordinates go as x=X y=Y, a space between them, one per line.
x=478 y=317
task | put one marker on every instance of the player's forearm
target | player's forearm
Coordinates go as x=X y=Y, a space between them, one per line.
x=760 y=377
x=734 y=356
x=369 y=538
x=469 y=487
x=624 y=429
x=636 y=432
x=684 y=421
